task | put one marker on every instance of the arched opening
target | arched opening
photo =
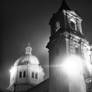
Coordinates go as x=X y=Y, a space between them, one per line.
x=24 y=74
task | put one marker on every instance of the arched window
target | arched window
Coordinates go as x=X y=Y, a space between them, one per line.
x=57 y=25
x=72 y=25
x=36 y=76
x=24 y=74
x=32 y=74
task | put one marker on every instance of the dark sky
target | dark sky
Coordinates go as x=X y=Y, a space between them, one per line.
x=24 y=21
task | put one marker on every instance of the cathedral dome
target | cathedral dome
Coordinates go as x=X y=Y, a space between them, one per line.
x=26 y=70
x=28 y=58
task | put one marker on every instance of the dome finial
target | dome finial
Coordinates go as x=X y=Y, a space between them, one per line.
x=28 y=49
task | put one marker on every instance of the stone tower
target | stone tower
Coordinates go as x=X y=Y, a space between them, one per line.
x=66 y=38
x=26 y=72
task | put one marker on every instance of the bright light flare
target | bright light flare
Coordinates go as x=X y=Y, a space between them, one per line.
x=13 y=71
x=73 y=65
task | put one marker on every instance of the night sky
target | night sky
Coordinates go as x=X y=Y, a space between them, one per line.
x=24 y=21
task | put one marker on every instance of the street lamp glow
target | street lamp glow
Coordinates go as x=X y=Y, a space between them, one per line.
x=13 y=71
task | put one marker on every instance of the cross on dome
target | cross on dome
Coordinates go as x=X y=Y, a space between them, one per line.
x=28 y=49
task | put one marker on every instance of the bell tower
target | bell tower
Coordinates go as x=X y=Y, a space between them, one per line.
x=66 y=38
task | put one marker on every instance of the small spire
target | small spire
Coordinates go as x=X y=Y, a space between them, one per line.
x=64 y=6
x=28 y=49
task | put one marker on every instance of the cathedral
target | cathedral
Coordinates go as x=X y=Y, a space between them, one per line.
x=67 y=43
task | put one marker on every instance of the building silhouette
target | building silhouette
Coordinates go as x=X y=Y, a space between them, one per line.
x=66 y=39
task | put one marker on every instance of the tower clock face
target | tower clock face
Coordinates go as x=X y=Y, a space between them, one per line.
x=57 y=25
